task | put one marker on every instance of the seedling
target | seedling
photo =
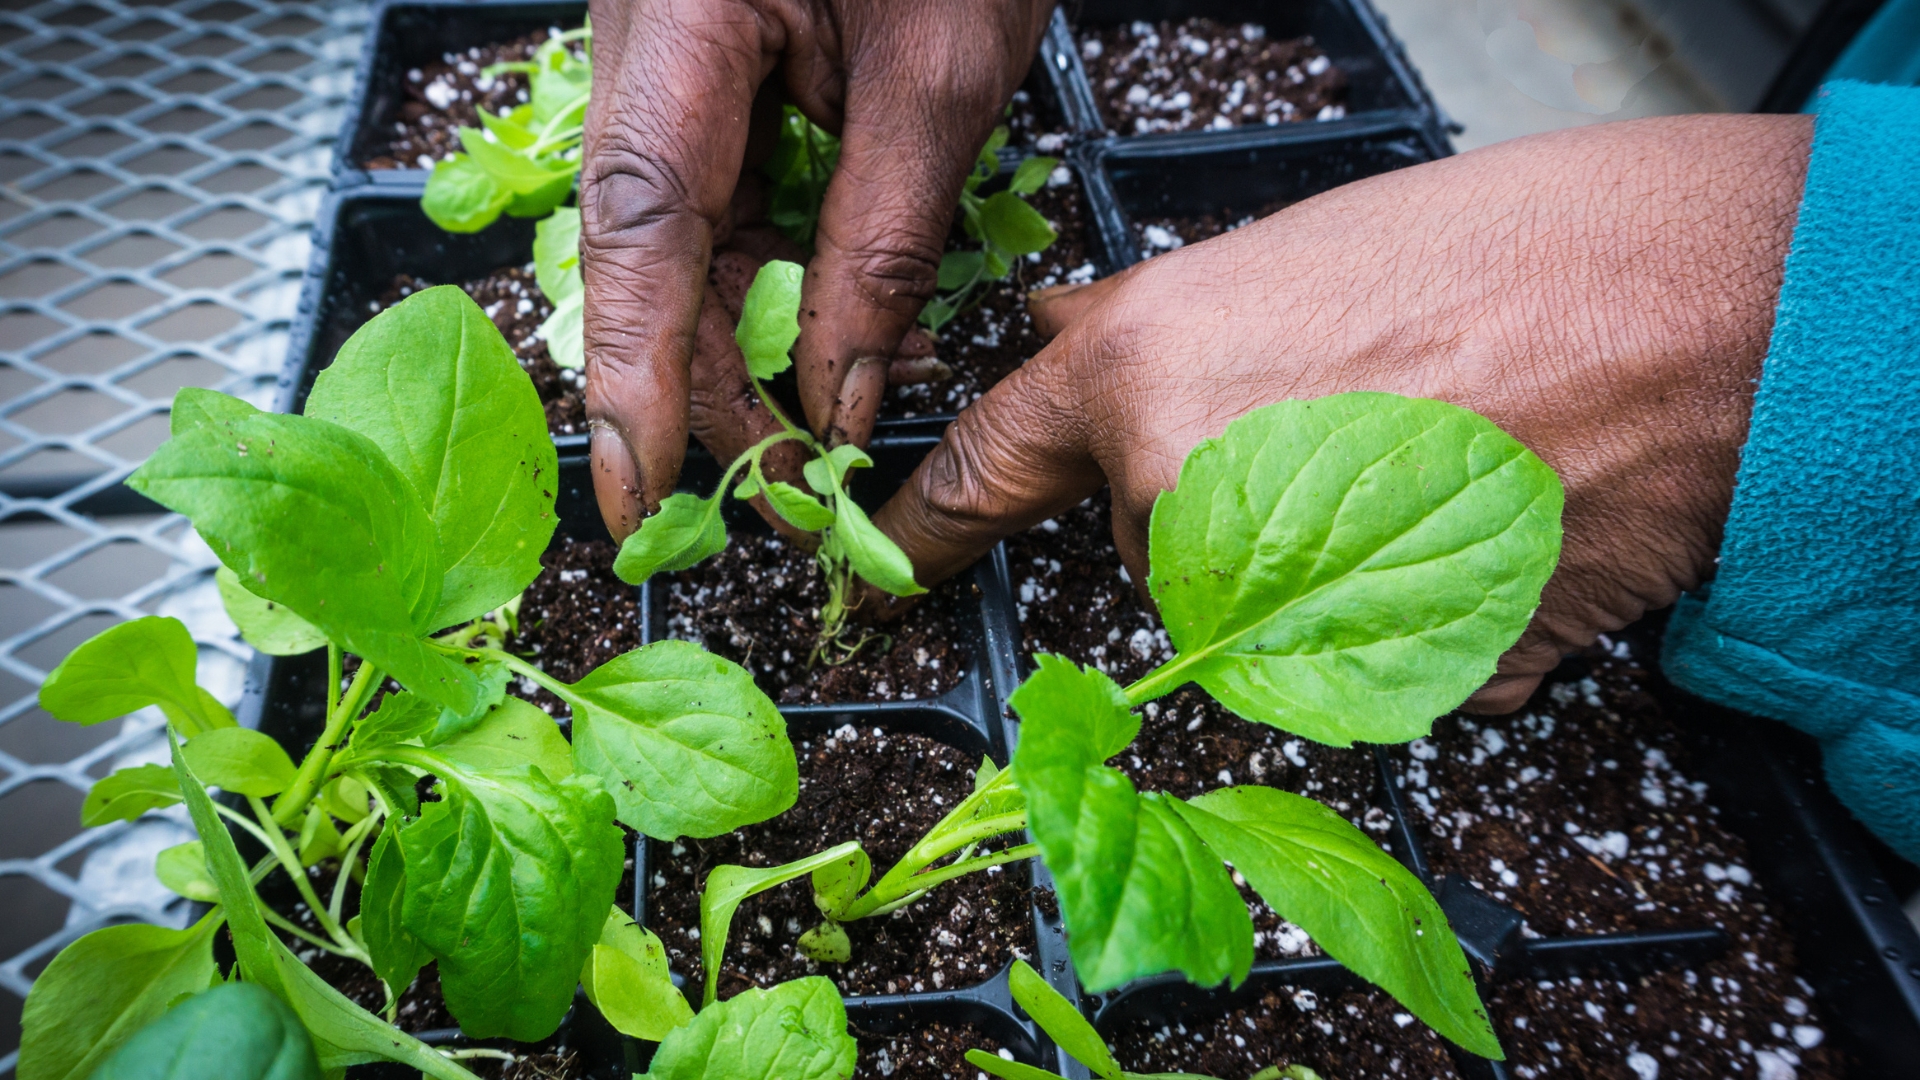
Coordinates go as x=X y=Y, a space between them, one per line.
x=800 y=169
x=688 y=529
x=1005 y=227
x=1345 y=569
x=1070 y=1032
x=396 y=523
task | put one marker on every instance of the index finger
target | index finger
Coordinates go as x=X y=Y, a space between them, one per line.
x=665 y=137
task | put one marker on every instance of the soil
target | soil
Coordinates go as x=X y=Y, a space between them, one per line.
x=885 y=790
x=985 y=343
x=756 y=602
x=444 y=96
x=574 y=617
x=1578 y=812
x=512 y=299
x=1343 y=1036
x=934 y=1051
x=1160 y=234
x=1035 y=126
x=1203 y=74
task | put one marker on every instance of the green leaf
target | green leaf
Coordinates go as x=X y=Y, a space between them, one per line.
x=127 y=793
x=401 y=718
x=512 y=133
x=433 y=384
x=685 y=530
x=558 y=82
x=839 y=883
x=346 y=799
x=770 y=318
x=106 y=986
x=1358 y=903
x=826 y=943
x=125 y=668
x=542 y=201
x=797 y=507
x=462 y=197
x=556 y=254
x=265 y=625
x=315 y=517
x=873 y=553
x=801 y=168
x=240 y=760
x=996 y=265
x=514 y=171
x=728 y=886
x=627 y=979
x=1085 y=698
x=937 y=314
x=397 y=955
x=995 y=1065
x=959 y=269
x=343 y=1033
x=513 y=733
x=794 y=1031
x=509 y=877
x=1032 y=175
x=183 y=868
x=1060 y=1019
x=318 y=839
x=1351 y=567
x=492 y=677
x=686 y=742
x=194 y=407
x=1010 y=224
x=236 y=1031
x=1140 y=892
x=565 y=331
x=394 y=785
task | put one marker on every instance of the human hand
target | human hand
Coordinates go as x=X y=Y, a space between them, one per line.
x=913 y=89
x=1604 y=294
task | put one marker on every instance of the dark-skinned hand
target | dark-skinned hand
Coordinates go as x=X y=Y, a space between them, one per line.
x=912 y=89
x=1604 y=294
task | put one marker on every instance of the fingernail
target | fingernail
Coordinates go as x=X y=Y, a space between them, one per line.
x=916 y=370
x=865 y=381
x=616 y=479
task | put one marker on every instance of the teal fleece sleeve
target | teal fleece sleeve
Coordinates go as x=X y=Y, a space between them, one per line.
x=1814 y=615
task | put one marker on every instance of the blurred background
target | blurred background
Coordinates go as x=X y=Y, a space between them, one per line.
x=162 y=163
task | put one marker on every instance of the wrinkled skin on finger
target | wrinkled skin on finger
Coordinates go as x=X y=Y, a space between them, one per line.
x=911 y=89
x=1604 y=294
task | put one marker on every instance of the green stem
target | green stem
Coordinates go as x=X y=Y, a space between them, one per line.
x=355 y=837
x=1161 y=681
x=290 y=862
x=241 y=820
x=478 y=1052
x=313 y=770
x=336 y=660
x=923 y=883
x=957 y=830
x=793 y=431
x=281 y=922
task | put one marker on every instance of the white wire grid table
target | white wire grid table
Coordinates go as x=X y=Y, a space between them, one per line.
x=160 y=165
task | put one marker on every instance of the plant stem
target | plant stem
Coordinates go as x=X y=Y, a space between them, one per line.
x=313 y=770
x=280 y=921
x=348 y=860
x=479 y=1052
x=336 y=660
x=290 y=862
x=959 y=829
x=1161 y=681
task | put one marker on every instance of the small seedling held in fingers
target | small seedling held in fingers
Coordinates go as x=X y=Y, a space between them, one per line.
x=688 y=529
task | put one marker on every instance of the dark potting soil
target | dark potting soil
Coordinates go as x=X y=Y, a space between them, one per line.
x=512 y=299
x=446 y=95
x=1034 y=127
x=757 y=602
x=1168 y=233
x=933 y=1051
x=1203 y=74
x=985 y=343
x=884 y=790
x=574 y=617
x=1577 y=810
x=1075 y=601
x=1346 y=1035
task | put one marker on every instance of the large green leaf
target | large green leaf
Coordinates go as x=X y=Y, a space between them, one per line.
x=1359 y=904
x=509 y=878
x=770 y=318
x=183 y=868
x=512 y=733
x=1351 y=567
x=434 y=385
x=125 y=668
x=686 y=742
x=728 y=886
x=627 y=979
x=106 y=986
x=397 y=955
x=267 y=626
x=313 y=516
x=240 y=759
x=343 y=1033
x=1140 y=892
x=236 y=1031
x=794 y=1031
x=463 y=197
x=127 y=793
